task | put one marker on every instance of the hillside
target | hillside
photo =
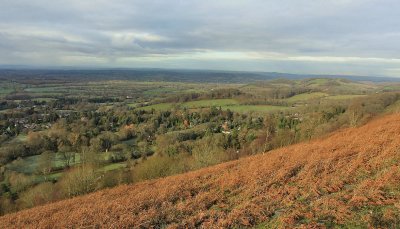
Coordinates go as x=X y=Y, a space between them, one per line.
x=350 y=178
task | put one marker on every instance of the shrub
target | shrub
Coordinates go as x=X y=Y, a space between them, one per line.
x=160 y=166
x=209 y=151
x=78 y=181
x=38 y=195
x=19 y=182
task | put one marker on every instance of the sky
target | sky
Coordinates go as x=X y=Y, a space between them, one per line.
x=357 y=37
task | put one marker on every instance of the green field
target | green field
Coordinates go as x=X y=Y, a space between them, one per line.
x=319 y=82
x=19 y=139
x=254 y=108
x=306 y=96
x=113 y=166
x=5 y=91
x=210 y=103
x=45 y=89
x=44 y=99
x=393 y=87
x=132 y=105
x=340 y=97
x=29 y=164
x=158 y=91
x=157 y=107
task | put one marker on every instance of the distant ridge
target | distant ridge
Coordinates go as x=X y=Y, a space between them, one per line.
x=350 y=178
x=154 y=74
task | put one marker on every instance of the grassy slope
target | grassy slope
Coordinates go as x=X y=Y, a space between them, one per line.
x=210 y=102
x=306 y=96
x=350 y=178
x=255 y=108
x=342 y=97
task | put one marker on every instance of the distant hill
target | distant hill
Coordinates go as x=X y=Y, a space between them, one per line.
x=7 y=72
x=350 y=178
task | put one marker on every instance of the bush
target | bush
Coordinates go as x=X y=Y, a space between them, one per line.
x=19 y=182
x=11 y=152
x=78 y=181
x=160 y=166
x=38 y=195
x=209 y=151
x=113 y=178
x=6 y=205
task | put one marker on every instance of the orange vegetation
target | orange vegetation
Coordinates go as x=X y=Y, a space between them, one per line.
x=349 y=178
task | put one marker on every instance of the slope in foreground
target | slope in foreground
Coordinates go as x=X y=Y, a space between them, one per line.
x=350 y=178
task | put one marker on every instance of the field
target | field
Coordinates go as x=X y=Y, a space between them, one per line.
x=21 y=138
x=210 y=103
x=6 y=88
x=49 y=89
x=5 y=91
x=307 y=96
x=340 y=97
x=29 y=165
x=254 y=108
x=44 y=99
x=349 y=180
x=113 y=166
x=157 y=107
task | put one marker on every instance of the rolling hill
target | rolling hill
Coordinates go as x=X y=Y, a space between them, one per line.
x=350 y=178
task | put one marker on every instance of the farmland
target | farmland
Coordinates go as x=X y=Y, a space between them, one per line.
x=66 y=136
x=210 y=103
x=340 y=97
x=254 y=108
x=307 y=96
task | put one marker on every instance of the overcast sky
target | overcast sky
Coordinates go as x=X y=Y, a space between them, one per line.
x=360 y=37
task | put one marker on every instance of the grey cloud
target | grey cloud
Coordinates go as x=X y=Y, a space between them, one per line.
x=171 y=33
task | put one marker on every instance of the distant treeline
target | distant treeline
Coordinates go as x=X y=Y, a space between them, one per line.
x=51 y=76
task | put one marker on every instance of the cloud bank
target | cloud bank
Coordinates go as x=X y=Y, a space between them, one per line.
x=359 y=37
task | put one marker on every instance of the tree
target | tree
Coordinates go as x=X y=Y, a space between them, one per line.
x=209 y=151
x=19 y=181
x=95 y=145
x=45 y=163
x=89 y=157
x=144 y=148
x=67 y=155
x=103 y=142
x=269 y=130
x=78 y=181
x=355 y=113
x=35 y=142
x=126 y=132
x=40 y=194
